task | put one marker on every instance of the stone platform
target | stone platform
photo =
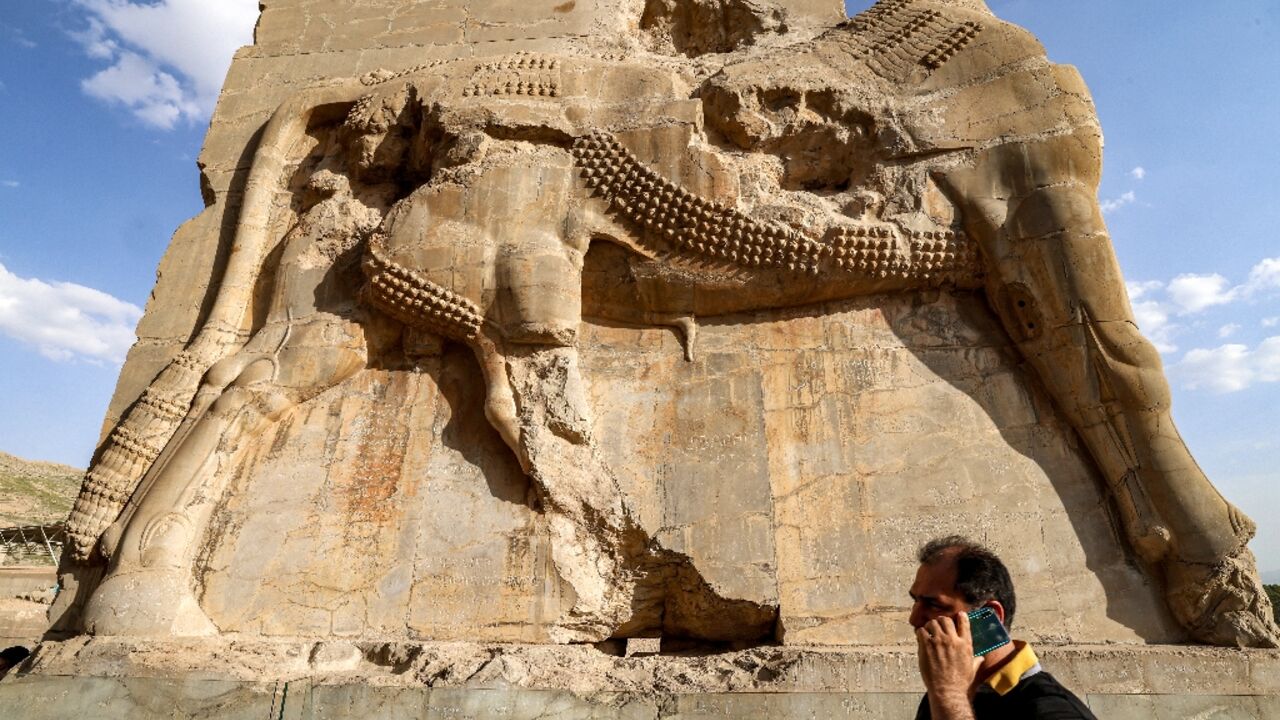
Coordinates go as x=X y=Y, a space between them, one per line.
x=25 y=592
x=106 y=678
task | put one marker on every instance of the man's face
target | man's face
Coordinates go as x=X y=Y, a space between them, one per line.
x=934 y=593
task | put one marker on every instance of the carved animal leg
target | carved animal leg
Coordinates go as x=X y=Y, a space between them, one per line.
x=534 y=400
x=158 y=533
x=544 y=408
x=1058 y=290
x=499 y=402
x=132 y=450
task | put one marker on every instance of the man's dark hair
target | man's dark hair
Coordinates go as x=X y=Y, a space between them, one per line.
x=980 y=576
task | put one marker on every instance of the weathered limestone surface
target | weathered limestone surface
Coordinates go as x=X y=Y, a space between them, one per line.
x=141 y=679
x=589 y=671
x=347 y=519
x=16 y=580
x=136 y=698
x=161 y=699
x=574 y=324
x=22 y=621
x=25 y=594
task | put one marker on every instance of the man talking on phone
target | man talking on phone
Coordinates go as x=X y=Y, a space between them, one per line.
x=971 y=669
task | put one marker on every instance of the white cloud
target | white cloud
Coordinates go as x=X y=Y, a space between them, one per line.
x=1224 y=369
x=1114 y=204
x=1194 y=293
x=1138 y=173
x=1153 y=321
x=96 y=41
x=1230 y=368
x=65 y=321
x=1151 y=315
x=1138 y=290
x=155 y=96
x=1267 y=360
x=17 y=36
x=1263 y=277
x=10 y=183
x=1158 y=305
x=168 y=58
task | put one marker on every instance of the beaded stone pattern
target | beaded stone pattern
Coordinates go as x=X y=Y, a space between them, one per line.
x=687 y=221
x=409 y=297
x=703 y=228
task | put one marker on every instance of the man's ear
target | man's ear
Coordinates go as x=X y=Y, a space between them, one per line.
x=997 y=608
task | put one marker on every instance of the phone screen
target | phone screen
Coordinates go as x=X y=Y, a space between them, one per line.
x=988 y=633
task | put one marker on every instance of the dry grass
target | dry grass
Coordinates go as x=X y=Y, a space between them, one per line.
x=35 y=493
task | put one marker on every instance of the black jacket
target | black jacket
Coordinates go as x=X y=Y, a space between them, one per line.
x=1038 y=697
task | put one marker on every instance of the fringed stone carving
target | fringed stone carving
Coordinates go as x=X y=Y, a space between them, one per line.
x=924 y=257
x=944 y=51
x=412 y=299
x=519 y=74
x=895 y=38
x=129 y=452
x=689 y=222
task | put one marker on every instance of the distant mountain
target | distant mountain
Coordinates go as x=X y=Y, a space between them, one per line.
x=34 y=492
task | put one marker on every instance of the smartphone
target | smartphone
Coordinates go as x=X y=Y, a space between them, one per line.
x=987 y=630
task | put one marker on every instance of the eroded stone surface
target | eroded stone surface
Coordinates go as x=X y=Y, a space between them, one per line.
x=339 y=679
x=364 y=541
x=589 y=671
x=53 y=698
x=144 y=699
x=25 y=594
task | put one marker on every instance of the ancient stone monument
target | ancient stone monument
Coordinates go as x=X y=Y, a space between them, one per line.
x=628 y=326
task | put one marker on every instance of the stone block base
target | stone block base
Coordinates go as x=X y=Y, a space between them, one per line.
x=56 y=698
x=308 y=680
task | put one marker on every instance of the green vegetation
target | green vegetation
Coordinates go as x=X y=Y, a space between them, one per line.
x=1273 y=592
x=35 y=493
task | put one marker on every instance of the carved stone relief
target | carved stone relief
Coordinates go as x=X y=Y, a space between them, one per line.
x=922 y=161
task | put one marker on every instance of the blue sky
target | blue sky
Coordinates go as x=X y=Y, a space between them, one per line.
x=105 y=103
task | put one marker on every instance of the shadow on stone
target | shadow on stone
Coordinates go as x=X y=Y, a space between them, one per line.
x=937 y=315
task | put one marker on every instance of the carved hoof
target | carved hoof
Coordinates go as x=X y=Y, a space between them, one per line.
x=146 y=603
x=1224 y=603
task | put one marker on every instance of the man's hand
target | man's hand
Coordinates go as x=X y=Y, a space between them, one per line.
x=948 y=666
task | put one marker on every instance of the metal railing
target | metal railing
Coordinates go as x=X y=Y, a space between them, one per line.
x=32 y=544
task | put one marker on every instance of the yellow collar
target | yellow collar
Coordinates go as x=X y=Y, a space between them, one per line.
x=1010 y=674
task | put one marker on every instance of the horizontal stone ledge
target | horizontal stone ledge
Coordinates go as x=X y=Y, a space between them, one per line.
x=589 y=670
x=47 y=698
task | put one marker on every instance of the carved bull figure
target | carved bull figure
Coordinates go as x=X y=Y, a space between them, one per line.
x=920 y=145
